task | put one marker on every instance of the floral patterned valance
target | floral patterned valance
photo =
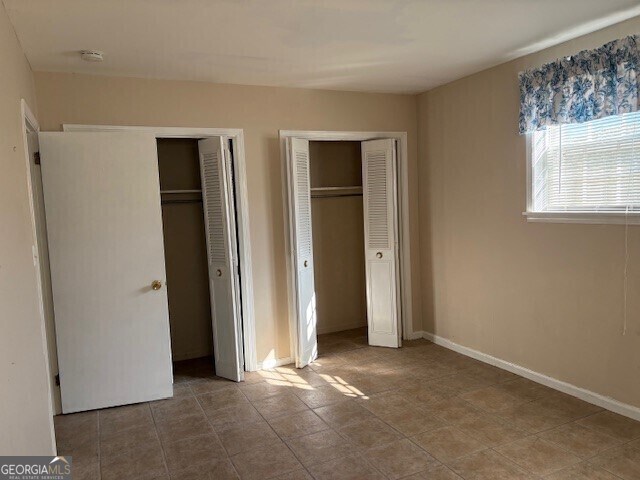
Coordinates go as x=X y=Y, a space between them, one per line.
x=592 y=84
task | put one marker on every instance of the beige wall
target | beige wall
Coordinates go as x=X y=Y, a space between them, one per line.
x=25 y=413
x=261 y=112
x=545 y=296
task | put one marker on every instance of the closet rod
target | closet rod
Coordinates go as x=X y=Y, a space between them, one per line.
x=337 y=195
x=348 y=191
x=193 y=200
x=180 y=191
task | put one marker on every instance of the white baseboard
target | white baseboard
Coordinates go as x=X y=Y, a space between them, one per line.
x=414 y=335
x=581 y=393
x=273 y=363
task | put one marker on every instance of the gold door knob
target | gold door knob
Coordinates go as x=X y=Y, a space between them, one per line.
x=379 y=254
x=156 y=285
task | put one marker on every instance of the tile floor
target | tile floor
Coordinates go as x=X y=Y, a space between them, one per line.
x=420 y=412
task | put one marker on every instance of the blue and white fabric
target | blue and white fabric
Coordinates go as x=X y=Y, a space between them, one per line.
x=589 y=85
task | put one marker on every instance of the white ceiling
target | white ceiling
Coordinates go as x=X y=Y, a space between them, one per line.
x=369 y=45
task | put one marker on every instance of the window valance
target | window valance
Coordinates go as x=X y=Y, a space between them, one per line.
x=589 y=85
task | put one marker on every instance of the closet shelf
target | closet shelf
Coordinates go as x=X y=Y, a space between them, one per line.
x=320 y=192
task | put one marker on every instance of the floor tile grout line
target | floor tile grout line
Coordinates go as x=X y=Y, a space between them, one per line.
x=155 y=429
x=446 y=425
x=606 y=470
x=217 y=436
x=298 y=458
x=403 y=436
x=331 y=427
x=357 y=453
x=99 y=447
x=564 y=448
x=452 y=470
x=276 y=433
x=497 y=413
x=192 y=436
x=283 y=440
x=121 y=454
x=582 y=460
x=513 y=461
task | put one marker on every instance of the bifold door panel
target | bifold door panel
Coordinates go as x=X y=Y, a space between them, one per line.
x=302 y=244
x=219 y=211
x=381 y=241
x=106 y=251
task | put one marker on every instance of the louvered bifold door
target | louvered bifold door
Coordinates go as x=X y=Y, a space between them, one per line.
x=300 y=207
x=381 y=242
x=217 y=198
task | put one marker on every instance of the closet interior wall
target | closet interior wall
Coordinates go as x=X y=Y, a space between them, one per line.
x=338 y=235
x=185 y=249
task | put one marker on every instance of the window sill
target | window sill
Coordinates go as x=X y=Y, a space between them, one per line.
x=603 y=218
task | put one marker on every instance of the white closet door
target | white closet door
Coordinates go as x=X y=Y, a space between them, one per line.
x=104 y=225
x=302 y=244
x=381 y=241
x=219 y=213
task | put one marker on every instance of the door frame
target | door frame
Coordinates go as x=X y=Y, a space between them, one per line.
x=236 y=135
x=30 y=125
x=404 y=253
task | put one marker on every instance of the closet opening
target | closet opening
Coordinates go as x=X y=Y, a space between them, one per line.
x=338 y=238
x=186 y=261
x=202 y=257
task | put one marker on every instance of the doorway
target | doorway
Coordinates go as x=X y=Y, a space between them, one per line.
x=384 y=192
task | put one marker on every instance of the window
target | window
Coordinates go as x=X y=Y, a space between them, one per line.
x=586 y=171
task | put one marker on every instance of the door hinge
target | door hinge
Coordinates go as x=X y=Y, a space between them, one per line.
x=36 y=158
x=57 y=379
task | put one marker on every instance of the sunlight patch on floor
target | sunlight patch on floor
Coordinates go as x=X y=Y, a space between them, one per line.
x=285 y=377
x=289 y=377
x=343 y=386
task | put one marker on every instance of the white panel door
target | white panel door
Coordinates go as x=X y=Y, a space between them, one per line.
x=381 y=241
x=104 y=225
x=220 y=225
x=302 y=244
